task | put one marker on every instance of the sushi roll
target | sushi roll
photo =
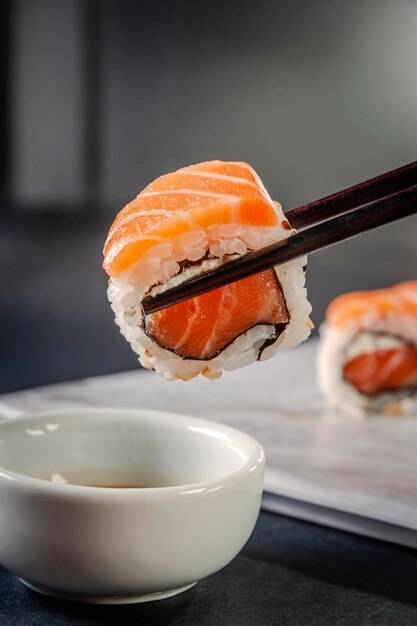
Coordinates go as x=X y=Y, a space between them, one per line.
x=185 y=223
x=367 y=359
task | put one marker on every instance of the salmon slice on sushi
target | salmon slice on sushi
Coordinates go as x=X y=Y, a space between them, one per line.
x=367 y=359
x=181 y=225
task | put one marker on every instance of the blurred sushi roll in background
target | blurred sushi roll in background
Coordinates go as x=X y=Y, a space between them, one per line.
x=367 y=359
x=185 y=223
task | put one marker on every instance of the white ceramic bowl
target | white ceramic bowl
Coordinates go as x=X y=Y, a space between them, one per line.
x=114 y=545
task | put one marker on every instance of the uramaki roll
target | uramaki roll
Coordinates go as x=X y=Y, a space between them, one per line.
x=367 y=357
x=181 y=225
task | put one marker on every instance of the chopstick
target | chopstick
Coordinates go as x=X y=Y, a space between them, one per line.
x=353 y=197
x=384 y=210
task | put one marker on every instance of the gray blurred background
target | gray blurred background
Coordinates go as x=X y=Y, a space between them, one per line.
x=100 y=97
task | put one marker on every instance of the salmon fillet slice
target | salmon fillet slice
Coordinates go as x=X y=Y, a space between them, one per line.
x=383 y=370
x=352 y=307
x=193 y=198
x=200 y=328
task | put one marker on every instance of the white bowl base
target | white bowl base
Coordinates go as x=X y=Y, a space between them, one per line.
x=62 y=595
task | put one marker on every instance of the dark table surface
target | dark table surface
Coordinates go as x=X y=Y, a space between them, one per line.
x=290 y=572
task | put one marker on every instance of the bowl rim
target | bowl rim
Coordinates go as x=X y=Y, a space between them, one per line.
x=254 y=450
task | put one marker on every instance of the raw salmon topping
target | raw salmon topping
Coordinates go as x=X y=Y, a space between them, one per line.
x=351 y=308
x=189 y=200
x=200 y=328
x=383 y=370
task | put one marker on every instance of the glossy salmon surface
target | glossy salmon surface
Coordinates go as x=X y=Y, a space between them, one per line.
x=383 y=370
x=193 y=198
x=202 y=327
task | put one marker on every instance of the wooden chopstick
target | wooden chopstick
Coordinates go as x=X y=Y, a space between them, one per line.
x=353 y=197
x=385 y=210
